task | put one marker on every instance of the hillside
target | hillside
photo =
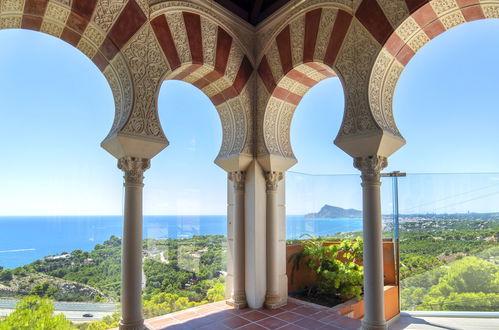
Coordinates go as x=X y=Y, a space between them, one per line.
x=328 y=211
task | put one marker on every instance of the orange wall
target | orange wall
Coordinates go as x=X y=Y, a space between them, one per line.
x=298 y=279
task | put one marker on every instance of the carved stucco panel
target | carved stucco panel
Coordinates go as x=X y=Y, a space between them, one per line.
x=284 y=124
x=442 y=6
x=227 y=129
x=246 y=101
x=262 y=100
x=453 y=19
x=66 y=3
x=393 y=75
x=297 y=31
x=57 y=13
x=326 y=24
x=87 y=47
x=93 y=34
x=240 y=128
x=148 y=68
x=12 y=6
x=354 y=64
x=52 y=28
x=491 y=10
x=112 y=79
x=275 y=62
x=270 y=124
x=418 y=41
x=177 y=27
x=10 y=22
x=407 y=29
x=209 y=36
x=234 y=62
x=106 y=12
x=395 y=11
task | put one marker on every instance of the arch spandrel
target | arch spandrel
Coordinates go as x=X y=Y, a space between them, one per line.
x=427 y=19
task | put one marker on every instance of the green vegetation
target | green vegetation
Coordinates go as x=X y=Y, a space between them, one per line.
x=449 y=263
x=35 y=313
x=338 y=266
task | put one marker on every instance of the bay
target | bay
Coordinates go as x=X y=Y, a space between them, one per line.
x=24 y=239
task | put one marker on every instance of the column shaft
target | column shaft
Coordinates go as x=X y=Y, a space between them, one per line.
x=131 y=259
x=374 y=311
x=273 y=298
x=238 y=296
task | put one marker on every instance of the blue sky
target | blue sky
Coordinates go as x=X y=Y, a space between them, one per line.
x=57 y=108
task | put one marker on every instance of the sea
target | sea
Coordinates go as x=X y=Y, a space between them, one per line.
x=24 y=239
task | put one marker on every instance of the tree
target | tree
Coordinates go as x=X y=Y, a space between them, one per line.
x=6 y=275
x=216 y=293
x=35 y=313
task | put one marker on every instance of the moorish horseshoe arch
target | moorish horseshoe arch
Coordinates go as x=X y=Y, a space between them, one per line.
x=82 y=26
x=197 y=49
x=298 y=56
x=425 y=22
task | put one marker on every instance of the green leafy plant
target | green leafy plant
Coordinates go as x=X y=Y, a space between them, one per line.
x=338 y=266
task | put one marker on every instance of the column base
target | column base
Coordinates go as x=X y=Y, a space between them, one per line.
x=237 y=304
x=369 y=325
x=138 y=325
x=273 y=301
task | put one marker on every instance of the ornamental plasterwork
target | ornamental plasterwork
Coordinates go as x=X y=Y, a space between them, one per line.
x=297 y=31
x=328 y=16
x=418 y=41
x=268 y=30
x=395 y=11
x=234 y=62
x=452 y=19
x=209 y=37
x=227 y=119
x=247 y=103
x=179 y=34
x=148 y=68
x=106 y=12
x=370 y=166
x=66 y=3
x=442 y=6
x=408 y=28
x=284 y=124
x=239 y=124
x=262 y=99
x=354 y=64
x=274 y=61
x=93 y=34
x=490 y=10
x=10 y=22
x=52 y=28
x=57 y=13
x=12 y=6
x=242 y=32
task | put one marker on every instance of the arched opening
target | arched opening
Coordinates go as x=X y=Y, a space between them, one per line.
x=445 y=105
x=185 y=206
x=61 y=196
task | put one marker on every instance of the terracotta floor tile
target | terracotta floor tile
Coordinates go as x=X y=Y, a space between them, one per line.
x=305 y=311
x=330 y=327
x=309 y=323
x=251 y=326
x=235 y=322
x=272 y=323
x=185 y=315
x=254 y=316
x=289 y=316
x=320 y=315
x=291 y=327
x=272 y=312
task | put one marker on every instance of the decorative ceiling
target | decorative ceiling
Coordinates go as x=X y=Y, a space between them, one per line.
x=253 y=11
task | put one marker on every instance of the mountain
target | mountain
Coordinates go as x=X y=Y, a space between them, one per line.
x=328 y=211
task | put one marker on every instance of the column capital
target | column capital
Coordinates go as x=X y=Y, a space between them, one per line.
x=239 y=179
x=134 y=169
x=272 y=179
x=370 y=166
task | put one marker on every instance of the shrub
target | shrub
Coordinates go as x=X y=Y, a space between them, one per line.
x=337 y=266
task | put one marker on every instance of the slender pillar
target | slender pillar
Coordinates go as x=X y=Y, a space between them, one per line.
x=273 y=298
x=374 y=308
x=131 y=258
x=238 y=295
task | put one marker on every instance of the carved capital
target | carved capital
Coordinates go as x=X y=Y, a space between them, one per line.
x=134 y=169
x=239 y=179
x=272 y=179
x=370 y=167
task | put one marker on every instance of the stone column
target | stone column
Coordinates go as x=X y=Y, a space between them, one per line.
x=273 y=298
x=374 y=311
x=238 y=295
x=131 y=259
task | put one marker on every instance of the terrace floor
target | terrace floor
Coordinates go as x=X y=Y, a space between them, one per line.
x=297 y=315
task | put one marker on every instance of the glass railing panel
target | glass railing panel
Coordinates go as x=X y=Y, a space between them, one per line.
x=449 y=230
x=73 y=261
